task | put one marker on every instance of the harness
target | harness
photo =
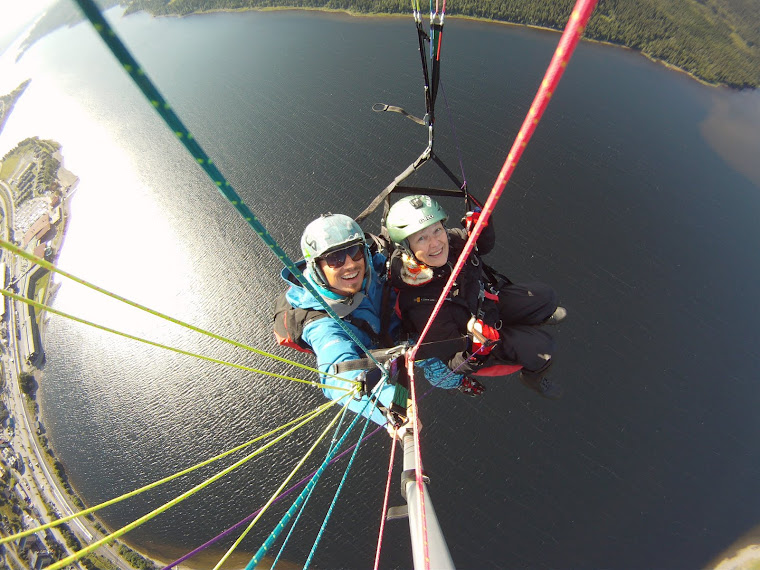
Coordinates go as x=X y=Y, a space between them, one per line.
x=290 y=322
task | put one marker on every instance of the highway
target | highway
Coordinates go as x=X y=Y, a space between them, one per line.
x=35 y=477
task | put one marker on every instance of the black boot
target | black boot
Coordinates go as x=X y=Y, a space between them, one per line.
x=556 y=317
x=538 y=380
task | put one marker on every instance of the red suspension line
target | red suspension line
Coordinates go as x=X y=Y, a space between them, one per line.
x=569 y=40
x=385 y=503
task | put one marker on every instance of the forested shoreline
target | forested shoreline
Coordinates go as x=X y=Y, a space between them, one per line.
x=716 y=41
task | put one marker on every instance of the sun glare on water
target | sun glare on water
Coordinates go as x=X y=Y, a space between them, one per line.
x=118 y=237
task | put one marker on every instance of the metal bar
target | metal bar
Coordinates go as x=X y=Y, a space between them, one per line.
x=438 y=550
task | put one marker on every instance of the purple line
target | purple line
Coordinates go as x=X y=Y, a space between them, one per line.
x=253 y=514
x=282 y=496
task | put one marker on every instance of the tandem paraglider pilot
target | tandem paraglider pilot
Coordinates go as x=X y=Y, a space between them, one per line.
x=345 y=272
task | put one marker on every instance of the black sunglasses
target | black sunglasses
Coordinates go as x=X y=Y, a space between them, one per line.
x=336 y=259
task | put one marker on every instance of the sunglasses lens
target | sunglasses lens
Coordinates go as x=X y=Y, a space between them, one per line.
x=337 y=259
x=358 y=254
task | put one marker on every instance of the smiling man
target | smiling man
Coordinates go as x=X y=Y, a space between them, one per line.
x=349 y=277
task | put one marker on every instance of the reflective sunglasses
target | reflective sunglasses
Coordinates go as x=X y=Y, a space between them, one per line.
x=337 y=259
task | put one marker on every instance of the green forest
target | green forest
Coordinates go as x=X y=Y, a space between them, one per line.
x=716 y=41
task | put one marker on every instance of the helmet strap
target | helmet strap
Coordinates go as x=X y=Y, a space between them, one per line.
x=317 y=275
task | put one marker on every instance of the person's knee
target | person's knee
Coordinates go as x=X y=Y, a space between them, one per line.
x=534 y=348
x=527 y=303
x=544 y=294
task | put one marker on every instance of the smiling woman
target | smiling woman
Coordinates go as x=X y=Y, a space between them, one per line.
x=431 y=245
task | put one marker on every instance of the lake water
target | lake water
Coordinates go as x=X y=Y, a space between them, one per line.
x=637 y=199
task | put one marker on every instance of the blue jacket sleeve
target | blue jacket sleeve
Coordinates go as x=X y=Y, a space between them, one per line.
x=332 y=345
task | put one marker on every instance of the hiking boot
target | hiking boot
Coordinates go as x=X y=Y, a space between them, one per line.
x=471 y=387
x=543 y=386
x=557 y=317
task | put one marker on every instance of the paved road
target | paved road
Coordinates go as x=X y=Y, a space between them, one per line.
x=36 y=479
x=5 y=196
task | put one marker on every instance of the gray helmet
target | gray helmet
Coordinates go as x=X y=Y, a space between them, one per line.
x=412 y=214
x=328 y=233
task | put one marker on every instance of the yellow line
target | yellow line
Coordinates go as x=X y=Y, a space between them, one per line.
x=177 y=350
x=282 y=486
x=160 y=482
x=166 y=506
x=49 y=266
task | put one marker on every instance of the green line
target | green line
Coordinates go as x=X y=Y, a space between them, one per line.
x=282 y=486
x=175 y=501
x=160 y=482
x=138 y=75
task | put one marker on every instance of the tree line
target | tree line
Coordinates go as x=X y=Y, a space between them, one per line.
x=717 y=41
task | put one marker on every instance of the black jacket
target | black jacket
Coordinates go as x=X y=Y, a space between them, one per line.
x=448 y=338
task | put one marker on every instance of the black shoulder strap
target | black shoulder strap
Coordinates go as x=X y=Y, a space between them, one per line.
x=386 y=311
x=379 y=244
x=364 y=326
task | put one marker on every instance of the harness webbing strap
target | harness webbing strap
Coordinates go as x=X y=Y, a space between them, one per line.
x=421 y=37
x=381 y=355
x=435 y=56
x=569 y=40
x=358 y=364
x=431 y=77
x=380 y=107
x=449 y=192
x=448 y=172
x=426 y=155
x=422 y=159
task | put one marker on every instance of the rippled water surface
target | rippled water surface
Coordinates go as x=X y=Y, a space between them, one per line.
x=622 y=202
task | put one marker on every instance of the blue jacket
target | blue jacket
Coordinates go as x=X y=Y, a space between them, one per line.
x=331 y=344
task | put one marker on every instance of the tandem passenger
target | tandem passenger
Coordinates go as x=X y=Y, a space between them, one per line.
x=486 y=318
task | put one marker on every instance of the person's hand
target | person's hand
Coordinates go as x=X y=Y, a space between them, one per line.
x=397 y=430
x=470 y=219
x=483 y=337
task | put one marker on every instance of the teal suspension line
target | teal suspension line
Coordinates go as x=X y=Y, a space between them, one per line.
x=333 y=445
x=307 y=490
x=138 y=75
x=337 y=494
